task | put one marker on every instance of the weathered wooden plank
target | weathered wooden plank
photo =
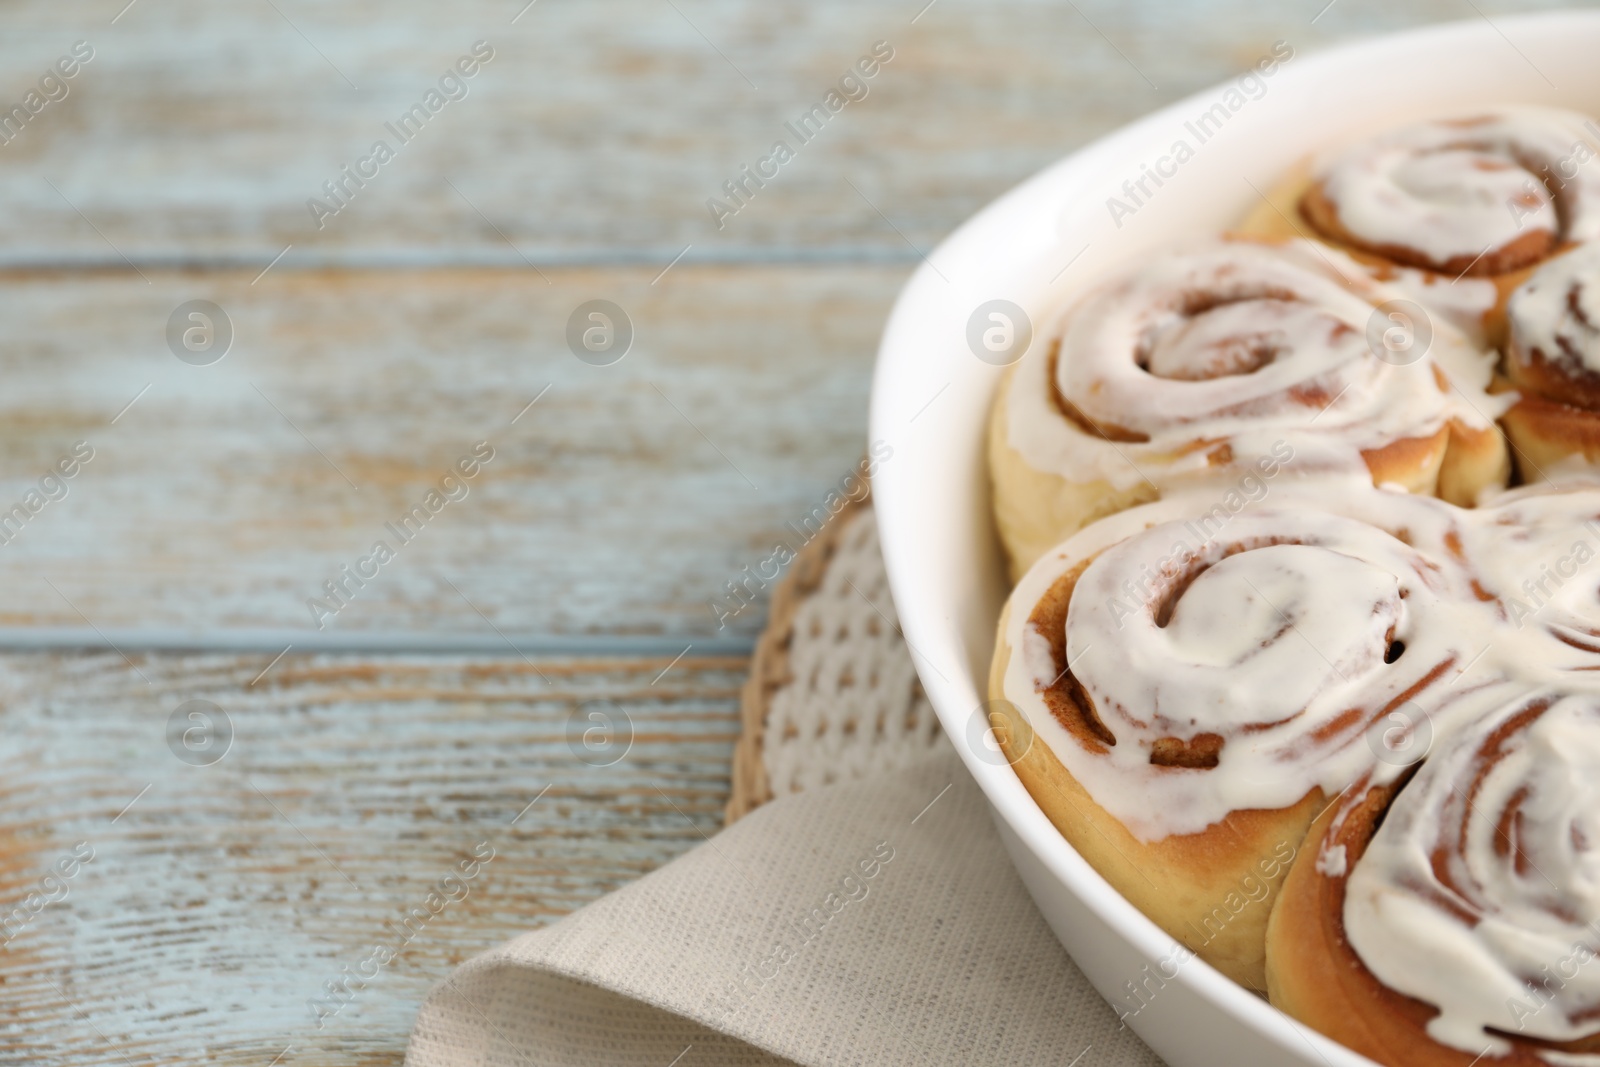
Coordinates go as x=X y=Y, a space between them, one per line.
x=227 y=495
x=598 y=130
x=222 y=898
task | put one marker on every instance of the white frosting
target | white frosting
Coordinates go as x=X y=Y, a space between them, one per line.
x=1243 y=643
x=1292 y=321
x=1537 y=551
x=1461 y=302
x=1569 y=1059
x=1452 y=189
x=1274 y=636
x=1504 y=936
x=1556 y=312
x=1267 y=625
x=1270 y=646
x=1333 y=862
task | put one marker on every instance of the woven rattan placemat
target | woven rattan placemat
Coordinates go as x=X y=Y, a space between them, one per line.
x=832 y=694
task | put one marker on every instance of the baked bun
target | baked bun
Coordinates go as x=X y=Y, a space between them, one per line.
x=1553 y=361
x=1218 y=364
x=1183 y=697
x=1455 y=211
x=1454 y=918
x=1447 y=909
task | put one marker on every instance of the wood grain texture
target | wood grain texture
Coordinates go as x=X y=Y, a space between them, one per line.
x=221 y=901
x=223 y=498
x=621 y=503
x=597 y=131
x=419 y=320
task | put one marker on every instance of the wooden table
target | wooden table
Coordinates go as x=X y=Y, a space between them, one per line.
x=538 y=669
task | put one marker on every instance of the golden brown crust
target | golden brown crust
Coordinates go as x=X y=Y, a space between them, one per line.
x=1212 y=891
x=1554 y=378
x=1411 y=461
x=1545 y=432
x=1558 y=415
x=1541 y=432
x=1533 y=247
x=1315 y=975
x=1035 y=510
x=1283 y=215
x=1477 y=459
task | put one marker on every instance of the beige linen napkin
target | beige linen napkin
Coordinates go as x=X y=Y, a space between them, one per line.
x=875 y=922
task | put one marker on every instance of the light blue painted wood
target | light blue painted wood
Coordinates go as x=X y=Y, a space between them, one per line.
x=220 y=898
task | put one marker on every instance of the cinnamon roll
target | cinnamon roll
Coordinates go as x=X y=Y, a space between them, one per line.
x=1221 y=363
x=1552 y=358
x=1485 y=196
x=1535 y=557
x=1183 y=695
x=1455 y=917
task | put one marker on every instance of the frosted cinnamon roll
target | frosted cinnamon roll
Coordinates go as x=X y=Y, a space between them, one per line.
x=1553 y=360
x=1228 y=360
x=1535 y=552
x=1182 y=695
x=1485 y=196
x=1456 y=917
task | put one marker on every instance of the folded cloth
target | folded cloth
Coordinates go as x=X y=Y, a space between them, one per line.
x=874 y=922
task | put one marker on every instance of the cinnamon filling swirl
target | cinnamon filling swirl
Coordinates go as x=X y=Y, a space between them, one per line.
x=1223 y=351
x=1479 y=196
x=1554 y=327
x=1490 y=857
x=1258 y=660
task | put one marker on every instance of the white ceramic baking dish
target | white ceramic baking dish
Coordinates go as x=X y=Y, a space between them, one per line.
x=931 y=395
